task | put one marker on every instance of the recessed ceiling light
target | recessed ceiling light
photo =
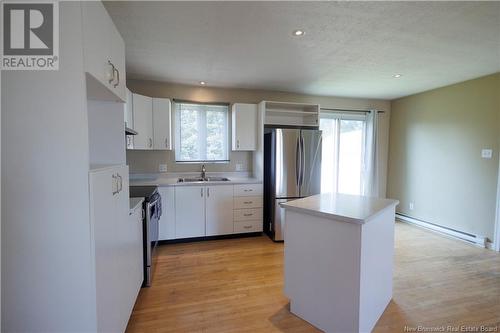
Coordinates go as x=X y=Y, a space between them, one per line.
x=203 y=83
x=396 y=76
x=299 y=33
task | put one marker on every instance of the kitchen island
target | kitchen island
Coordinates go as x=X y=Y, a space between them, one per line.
x=339 y=260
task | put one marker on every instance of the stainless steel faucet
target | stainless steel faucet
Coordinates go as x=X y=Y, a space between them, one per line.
x=203 y=171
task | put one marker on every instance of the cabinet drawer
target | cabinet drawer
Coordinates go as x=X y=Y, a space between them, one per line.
x=247 y=214
x=247 y=202
x=248 y=226
x=247 y=190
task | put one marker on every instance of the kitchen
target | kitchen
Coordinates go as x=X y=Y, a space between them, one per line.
x=158 y=179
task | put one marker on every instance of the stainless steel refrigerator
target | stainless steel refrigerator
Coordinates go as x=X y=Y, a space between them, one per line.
x=292 y=170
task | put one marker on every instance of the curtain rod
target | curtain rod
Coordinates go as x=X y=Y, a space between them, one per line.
x=350 y=110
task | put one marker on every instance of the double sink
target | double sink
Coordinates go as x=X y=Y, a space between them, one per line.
x=202 y=179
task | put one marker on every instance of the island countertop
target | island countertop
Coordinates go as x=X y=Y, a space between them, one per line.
x=340 y=207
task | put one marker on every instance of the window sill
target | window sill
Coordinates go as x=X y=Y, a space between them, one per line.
x=203 y=162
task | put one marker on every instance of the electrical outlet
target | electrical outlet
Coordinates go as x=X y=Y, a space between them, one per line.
x=239 y=166
x=163 y=168
x=411 y=205
x=487 y=153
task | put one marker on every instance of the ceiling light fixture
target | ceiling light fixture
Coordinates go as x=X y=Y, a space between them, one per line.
x=299 y=33
x=203 y=83
x=396 y=76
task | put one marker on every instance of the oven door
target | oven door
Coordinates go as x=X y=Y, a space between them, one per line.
x=151 y=232
x=153 y=226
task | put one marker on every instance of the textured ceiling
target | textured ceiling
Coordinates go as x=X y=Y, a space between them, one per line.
x=349 y=49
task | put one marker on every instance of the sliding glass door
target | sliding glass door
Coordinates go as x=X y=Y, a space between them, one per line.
x=343 y=152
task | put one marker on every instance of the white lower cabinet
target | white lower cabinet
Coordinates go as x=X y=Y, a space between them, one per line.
x=219 y=210
x=189 y=211
x=198 y=211
x=248 y=211
x=247 y=226
x=167 y=219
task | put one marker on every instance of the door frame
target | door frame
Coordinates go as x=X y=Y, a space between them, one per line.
x=496 y=241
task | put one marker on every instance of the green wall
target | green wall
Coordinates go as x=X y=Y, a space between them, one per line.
x=435 y=160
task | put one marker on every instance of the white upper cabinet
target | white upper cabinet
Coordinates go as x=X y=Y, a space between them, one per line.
x=143 y=121
x=219 y=210
x=162 y=124
x=117 y=56
x=244 y=126
x=104 y=52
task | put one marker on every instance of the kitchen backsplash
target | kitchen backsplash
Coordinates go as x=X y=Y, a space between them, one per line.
x=144 y=161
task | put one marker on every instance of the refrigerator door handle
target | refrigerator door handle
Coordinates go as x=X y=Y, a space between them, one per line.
x=303 y=160
x=298 y=162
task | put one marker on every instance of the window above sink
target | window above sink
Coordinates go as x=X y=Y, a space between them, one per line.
x=201 y=132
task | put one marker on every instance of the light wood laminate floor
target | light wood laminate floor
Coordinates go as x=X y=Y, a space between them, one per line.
x=236 y=285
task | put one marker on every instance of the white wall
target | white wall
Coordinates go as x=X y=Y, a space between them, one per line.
x=435 y=155
x=46 y=263
x=147 y=161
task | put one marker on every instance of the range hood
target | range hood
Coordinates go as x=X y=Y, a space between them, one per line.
x=129 y=131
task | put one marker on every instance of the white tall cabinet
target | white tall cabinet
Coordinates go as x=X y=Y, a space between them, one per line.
x=162 y=123
x=60 y=235
x=143 y=121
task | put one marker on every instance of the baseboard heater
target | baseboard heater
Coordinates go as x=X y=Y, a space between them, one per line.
x=464 y=236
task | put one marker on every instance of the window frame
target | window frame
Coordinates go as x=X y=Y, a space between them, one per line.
x=202 y=131
x=339 y=116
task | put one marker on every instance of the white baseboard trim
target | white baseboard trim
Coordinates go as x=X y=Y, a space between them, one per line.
x=477 y=240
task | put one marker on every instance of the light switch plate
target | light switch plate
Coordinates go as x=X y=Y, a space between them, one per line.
x=163 y=168
x=239 y=167
x=487 y=153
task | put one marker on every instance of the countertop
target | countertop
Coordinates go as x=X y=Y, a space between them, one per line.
x=340 y=207
x=172 y=180
x=134 y=202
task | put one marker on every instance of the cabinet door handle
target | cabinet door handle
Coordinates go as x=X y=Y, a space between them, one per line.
x=150 y=143
x=249 y=190
x=237 y=143
x=121 y=182
x=118 y=78
x=247 y=202
x=247 y=226
x=208 y=192
x=114 y=69
x=114 y=184
x=247 y=214
x=201 y=192
x=166 y=143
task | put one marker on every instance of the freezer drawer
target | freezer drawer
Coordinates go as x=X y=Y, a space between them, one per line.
x=278 y=225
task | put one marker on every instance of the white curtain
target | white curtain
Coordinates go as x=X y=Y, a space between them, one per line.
x=370 y=175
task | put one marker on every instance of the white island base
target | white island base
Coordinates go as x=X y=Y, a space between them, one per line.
x=339 y=260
